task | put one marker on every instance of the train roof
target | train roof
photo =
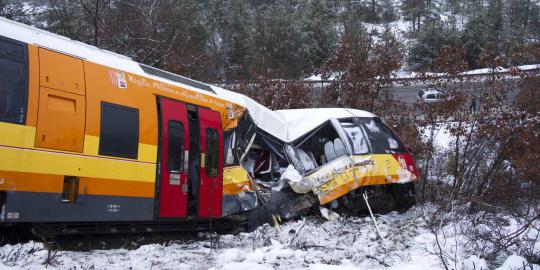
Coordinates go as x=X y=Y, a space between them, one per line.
x=285 y=125
x=48 y=40
x=302 y=121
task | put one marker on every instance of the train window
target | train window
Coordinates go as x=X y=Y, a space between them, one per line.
x=13 y=81
x=119 y=135
x=212 y=152
x=175 y=149
x=381 y=138
x=357 y=138
x=393 y=142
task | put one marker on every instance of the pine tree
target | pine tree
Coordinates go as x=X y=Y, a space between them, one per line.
x=428 y=43
x=238 y=41
x=319 y=32
x=412 y=11
x=474 y=38
x=15 y=10
x=278 y=47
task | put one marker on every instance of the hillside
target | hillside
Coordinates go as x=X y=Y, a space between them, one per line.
x=222 y=41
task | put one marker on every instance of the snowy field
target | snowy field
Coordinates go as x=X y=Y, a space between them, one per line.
x=343 y=243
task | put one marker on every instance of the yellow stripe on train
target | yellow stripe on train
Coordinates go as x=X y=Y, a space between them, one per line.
x=38 y=161
x=24 y=137
x=376 y=169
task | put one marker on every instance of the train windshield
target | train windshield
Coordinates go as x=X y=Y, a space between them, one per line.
x=381 y=139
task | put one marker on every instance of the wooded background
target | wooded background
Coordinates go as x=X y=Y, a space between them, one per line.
x=238 y=40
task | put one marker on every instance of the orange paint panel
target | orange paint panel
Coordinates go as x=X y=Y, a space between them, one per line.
x=33 y=85
x=34 y=182
x=101 y=88
x=61 y=72
x=97 y=186
x=61 y=119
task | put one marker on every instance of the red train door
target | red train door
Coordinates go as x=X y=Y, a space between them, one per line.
x=173 y=166
x=211 y=169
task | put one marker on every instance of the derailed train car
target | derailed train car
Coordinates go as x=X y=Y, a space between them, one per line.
x=324 y=157
x=91 y=140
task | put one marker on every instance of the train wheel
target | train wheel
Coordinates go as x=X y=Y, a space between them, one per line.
x=404 y=195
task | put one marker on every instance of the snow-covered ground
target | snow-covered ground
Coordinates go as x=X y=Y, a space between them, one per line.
x=343 y=243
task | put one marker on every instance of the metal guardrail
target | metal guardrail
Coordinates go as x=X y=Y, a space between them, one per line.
x=397 y=81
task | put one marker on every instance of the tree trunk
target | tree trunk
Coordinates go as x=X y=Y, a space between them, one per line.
x=373 y=9
x=522 y=38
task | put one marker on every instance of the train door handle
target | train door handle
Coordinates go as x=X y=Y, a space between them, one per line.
x=184 y=188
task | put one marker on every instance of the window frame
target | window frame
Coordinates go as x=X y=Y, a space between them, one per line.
x=104 y=152
x=25 y=79
x=214 y=151
x=182 y=148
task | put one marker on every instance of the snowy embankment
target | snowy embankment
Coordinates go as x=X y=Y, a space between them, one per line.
x=343 y=243
x=410 y=75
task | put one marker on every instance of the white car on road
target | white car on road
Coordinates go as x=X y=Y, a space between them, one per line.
x=431 y=96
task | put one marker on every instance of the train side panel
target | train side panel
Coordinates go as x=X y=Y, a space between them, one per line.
x=70 y=159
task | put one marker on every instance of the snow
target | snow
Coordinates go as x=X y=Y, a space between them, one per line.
x=403 y=74
x=318 y=77
x=300 y=121
x=291 y=175
x=341 y=243
x=442 y=138
x=474 y=263
x=481 y=71
x=514 y=262
x=328 y=214
x=399 y=28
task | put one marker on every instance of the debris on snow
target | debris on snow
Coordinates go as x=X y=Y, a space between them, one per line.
x=328 y=214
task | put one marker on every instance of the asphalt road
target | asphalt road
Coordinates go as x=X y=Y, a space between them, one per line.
x=406 y=94
x=409 y=94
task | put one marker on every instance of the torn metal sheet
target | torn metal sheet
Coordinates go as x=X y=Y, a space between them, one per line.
x=238 y=192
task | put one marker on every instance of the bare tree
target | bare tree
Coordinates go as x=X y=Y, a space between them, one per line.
x=93 y=10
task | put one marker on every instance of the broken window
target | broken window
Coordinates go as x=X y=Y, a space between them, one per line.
x=319 y=147
x=357 y=137
x=229 y=139
x=307 y=159
x=381 y=139
x=244 y=139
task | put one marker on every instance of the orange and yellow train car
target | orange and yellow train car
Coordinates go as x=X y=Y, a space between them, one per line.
x=85 y=133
